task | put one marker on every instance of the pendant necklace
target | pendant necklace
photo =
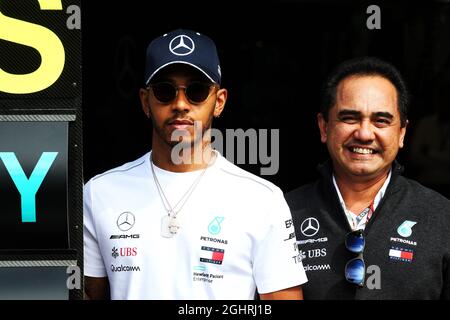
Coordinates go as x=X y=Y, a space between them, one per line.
x=169 y=223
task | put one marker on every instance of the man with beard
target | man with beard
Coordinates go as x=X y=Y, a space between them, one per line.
x=364 y=231
x=173 y=225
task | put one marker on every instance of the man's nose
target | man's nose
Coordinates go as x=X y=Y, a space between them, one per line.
x=181 y=103
x=365 y=131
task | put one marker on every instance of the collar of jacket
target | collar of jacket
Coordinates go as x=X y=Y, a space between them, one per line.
x=326 y=170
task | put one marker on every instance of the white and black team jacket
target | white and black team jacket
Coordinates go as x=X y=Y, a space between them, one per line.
x=407 y=251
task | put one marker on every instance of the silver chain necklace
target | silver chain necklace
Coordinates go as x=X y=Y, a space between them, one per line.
x=169 y=223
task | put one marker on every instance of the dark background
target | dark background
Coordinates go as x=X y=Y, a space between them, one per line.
x=274 y=57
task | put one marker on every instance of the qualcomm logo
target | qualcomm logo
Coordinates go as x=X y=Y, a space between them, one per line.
x=405 y=229
x=181 y=45
x=125 y=221
x=310 y=227
x=319 y=267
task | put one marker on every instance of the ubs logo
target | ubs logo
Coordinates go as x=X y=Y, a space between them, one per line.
x=310 y=227
x=125 y=221
x=123 y=252
x=314 y=253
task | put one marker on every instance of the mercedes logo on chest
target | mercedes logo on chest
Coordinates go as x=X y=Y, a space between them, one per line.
x=125 y=221
x=181 y=45
x=310 y=227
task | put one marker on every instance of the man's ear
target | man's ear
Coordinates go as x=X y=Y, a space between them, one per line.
x=402 y=135
x=322 y=123
x=221 y=99
x=143 y=95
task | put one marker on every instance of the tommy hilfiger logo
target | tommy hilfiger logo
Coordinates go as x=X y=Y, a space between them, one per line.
x=401 y=254
x=212 y=255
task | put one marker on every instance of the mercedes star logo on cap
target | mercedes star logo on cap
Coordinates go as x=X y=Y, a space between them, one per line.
x=125 y=221
x=310 y=227
x=181 y=45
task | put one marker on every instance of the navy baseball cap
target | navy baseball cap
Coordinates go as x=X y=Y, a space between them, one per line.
x=183 y=46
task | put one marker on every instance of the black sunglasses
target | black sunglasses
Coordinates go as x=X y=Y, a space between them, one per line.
x=196 y=92
x=355 y=269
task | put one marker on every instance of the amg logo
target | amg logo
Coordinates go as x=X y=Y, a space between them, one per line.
x=312 y=240
x=124 y=236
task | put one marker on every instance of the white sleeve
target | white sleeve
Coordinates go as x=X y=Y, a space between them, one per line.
x=276 y=266
x=93 y=261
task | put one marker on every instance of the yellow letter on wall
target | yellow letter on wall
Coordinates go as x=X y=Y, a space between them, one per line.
x=45 y=41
